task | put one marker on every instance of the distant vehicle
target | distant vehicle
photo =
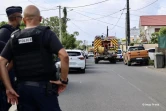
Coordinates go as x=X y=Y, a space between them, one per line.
x=119 y=55
x=90 y=54
x=151 y=52
x=77 y=60
x=105 y=49
x=136 y=54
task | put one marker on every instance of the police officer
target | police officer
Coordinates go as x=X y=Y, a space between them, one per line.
x=14 y=19
x=31 y=51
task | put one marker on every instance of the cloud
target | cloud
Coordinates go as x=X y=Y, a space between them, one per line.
x=88 y=29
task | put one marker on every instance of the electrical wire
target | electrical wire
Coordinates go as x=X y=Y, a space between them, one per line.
x=89 y=4
x=37 y=4
x=146 y=6
x=98 y=20
x=80 y=29
x=103 y=16
x=118 y=20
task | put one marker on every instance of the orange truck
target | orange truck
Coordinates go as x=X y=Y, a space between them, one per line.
x=136 y=54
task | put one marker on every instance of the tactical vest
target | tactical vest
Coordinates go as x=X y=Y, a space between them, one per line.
x=32 y=61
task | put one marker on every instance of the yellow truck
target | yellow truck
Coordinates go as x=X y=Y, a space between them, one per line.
x=136 y=54
x=105 y=49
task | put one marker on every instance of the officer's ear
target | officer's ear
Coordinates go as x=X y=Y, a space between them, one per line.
x=40 y=18
x=24 y=21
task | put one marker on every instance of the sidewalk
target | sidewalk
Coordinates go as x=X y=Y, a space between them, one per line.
x=158 y=69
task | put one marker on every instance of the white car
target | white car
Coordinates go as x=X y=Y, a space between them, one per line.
x=77 y=61
x=119 y=55
x=151 y=52
x=90 y=54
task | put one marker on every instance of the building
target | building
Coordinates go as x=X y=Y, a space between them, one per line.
x=134 y=33
x=150 y=24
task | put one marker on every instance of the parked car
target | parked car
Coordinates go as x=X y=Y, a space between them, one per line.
x=77 y=61
x=90 y=54
x=151 y=52
x=119 y=55
x=136 y=54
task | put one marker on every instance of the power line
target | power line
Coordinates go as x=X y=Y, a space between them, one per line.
x=98 y=20
x=88 y=4
x=118 y=20
x=146 y=6
x=80 y=28
x=103 y=16
x=36 y=4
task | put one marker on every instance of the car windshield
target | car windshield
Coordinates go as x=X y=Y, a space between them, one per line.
x=136 y=48
x=119 y=52
x=74 y=53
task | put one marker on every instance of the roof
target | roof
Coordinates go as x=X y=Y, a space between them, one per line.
x=74 y=50
x=153 y=20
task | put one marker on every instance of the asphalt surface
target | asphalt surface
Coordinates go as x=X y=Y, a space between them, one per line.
x=115 y=87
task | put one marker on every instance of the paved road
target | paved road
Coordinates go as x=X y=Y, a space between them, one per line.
x=115 y=87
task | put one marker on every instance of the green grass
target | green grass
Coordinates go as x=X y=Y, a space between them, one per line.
x=151 y=62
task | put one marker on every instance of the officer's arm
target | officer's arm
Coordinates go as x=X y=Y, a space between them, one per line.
x=64 y=63
x=4 y=73
x=10 y=66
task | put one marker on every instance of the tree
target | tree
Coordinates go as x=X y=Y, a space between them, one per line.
x=2 y=23
x=53 y=23
x=154 y=38
x=162 y=31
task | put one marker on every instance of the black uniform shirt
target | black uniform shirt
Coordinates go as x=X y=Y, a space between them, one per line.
x=50 y=40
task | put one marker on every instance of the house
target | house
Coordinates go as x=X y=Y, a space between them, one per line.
x=150 y=24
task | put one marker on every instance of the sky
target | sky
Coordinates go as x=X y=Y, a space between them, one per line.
x=93 y=20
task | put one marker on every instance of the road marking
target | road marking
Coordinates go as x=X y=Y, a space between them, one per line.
x=149 y=97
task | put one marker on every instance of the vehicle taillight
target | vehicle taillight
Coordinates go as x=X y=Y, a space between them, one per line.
x=81 y=58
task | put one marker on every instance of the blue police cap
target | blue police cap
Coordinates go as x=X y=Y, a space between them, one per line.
x=13 y=9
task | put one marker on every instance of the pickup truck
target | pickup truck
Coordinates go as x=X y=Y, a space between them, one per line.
x=136 y=54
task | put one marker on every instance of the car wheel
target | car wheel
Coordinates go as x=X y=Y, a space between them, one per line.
x=129 y=63
x=96 y=61
x=83 y=70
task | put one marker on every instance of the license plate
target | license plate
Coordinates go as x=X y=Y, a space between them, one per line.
x=138 y=58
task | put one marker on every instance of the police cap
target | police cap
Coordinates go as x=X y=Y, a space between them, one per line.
x=13 y=9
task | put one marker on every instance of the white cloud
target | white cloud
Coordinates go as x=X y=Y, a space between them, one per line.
x=92 y=27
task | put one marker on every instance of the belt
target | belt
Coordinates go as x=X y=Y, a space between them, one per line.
x=34 y=84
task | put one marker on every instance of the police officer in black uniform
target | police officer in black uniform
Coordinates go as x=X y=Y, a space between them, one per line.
x=14 y=18
x=32 y=52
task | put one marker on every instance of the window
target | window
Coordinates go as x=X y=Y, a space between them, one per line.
x=136 y=48
x=157 y=29
x=74 y=53
x=119 y=52
x=151 y=50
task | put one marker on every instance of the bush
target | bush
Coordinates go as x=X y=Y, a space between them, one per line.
x=151 y=62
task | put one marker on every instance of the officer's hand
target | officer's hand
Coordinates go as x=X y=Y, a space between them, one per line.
x=61 y=86
x=12 y=96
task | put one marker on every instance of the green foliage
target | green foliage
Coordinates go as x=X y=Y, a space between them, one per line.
x=53 y=23
x=131 y=44
x=162 y=31
x=154 y=38
x=2 y=23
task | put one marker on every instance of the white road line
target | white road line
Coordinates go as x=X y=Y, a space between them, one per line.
x=149 y=97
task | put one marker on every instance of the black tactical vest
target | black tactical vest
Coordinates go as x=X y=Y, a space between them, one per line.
x=32 y=61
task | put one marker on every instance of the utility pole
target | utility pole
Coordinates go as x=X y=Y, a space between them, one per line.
x=128 y=22
x=107 y=31
x=126 y=32
x=60 y=25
